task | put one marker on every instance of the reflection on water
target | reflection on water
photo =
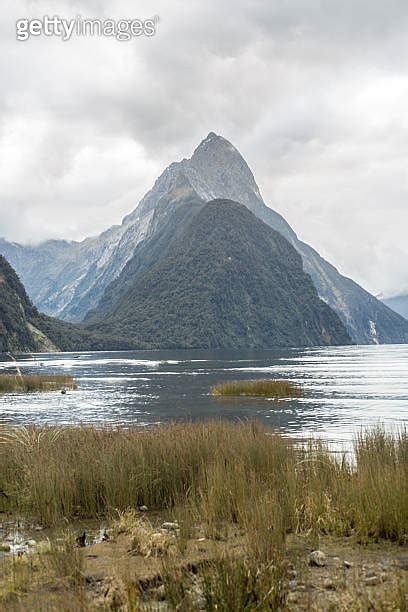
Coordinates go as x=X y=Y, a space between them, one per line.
x=346 y=388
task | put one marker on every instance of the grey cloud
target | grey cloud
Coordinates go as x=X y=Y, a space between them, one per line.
x=312 y=93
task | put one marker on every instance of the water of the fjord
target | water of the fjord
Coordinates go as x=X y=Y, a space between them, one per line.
x=345 y=388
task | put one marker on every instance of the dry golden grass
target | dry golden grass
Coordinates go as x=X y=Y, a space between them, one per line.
x=242 y=484
x=217 y=472
x=11 y=383
x=257 y=388
x=146 y=540
x=228 y=584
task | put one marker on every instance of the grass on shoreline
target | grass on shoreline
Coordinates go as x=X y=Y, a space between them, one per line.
x=243 y=486
x=257 y=388
x=217 y=472
x=12 y=383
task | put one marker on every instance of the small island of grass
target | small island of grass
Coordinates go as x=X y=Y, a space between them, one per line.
x=27 y=383
x=257 y=388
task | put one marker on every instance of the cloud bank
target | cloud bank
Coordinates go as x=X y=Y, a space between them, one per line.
x=312 y=93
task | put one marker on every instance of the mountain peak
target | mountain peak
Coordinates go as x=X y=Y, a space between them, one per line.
x=214 y=141
x=217 y=170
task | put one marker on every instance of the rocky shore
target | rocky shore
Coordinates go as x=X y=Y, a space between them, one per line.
x=143 y=558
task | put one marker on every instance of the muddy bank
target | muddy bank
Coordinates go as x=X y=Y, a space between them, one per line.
x=149 y=561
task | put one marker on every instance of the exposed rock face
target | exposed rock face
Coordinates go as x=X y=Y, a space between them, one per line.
x=68 y=279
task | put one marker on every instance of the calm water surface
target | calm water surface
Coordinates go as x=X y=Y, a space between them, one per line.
x=346 y=388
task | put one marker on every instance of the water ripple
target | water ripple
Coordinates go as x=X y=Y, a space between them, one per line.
x=346 y=388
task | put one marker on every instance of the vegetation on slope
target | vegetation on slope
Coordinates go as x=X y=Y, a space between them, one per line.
x=228 y=281
x=15 y=308
x=24 y=329
x=173 y=212
x=75 y=337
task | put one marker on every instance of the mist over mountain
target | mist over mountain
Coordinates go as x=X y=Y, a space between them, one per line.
x=70 y=279
x=399 y=304
x=227 y=280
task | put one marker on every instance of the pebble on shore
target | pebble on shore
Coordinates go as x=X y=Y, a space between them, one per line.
x=317 y=558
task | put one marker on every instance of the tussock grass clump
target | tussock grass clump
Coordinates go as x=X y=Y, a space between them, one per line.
x=227 y=583
x=257 y=388
x=220 y=474
x=241 y=584
x=146 y=540
x=10 y=383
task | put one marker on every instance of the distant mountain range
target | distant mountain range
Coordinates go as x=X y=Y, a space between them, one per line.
x=80 y=280
x=399 y=304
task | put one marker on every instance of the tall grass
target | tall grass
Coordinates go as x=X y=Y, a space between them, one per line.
x=219 y=473
x=10 y=383
x=257 y=388
x=227 y=583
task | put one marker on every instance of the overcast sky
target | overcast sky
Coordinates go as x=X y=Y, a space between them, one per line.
x=313 y=93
